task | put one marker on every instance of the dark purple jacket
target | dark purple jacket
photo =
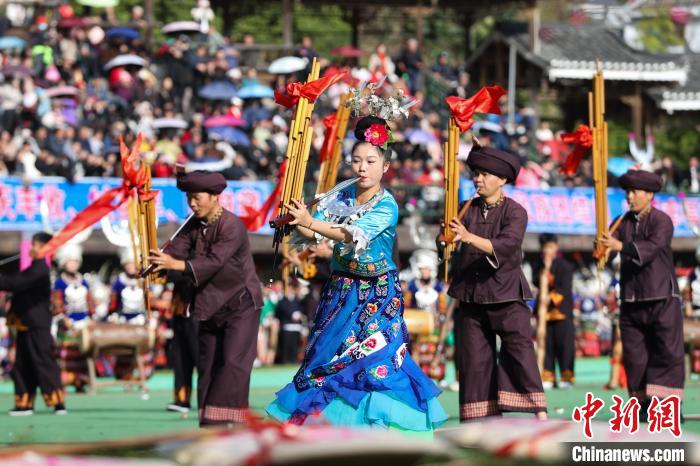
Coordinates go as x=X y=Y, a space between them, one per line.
x=646 y=270
x=220 y=263
x=480 y=279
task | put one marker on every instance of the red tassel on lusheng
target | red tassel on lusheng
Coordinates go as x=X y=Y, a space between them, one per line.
x=254 y=219
x=582 y=140
x=329 y=137
x=309 y=91
x=484 y=101
x=134 y=182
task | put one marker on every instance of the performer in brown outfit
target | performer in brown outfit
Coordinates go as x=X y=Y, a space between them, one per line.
x=488 y=281
x=35 y=363
x=560 y=343
x=214 y=252
x=651 y=321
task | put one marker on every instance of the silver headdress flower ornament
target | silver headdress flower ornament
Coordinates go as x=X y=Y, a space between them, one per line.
x=364 y=102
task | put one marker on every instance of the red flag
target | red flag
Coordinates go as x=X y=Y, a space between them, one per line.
x=134 y=179
x=309 y=91
x=329 y=137
x=582 y=140
x=255 y=219
x=484 y=101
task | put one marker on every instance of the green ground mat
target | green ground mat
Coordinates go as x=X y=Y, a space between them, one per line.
x=115 y=414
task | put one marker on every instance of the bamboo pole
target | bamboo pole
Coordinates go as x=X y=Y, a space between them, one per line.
x=542 y=306
x=297 y=156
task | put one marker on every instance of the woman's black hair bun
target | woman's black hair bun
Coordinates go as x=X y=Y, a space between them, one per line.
x=365 y=123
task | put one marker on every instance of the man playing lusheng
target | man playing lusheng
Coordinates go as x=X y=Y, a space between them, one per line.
x=651 y=321
x=488 y=281
x=214 y=252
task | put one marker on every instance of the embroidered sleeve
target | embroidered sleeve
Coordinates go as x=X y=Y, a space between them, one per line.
x=359 y=238
x=384 y=215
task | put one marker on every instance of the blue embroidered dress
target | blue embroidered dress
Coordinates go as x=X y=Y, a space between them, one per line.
x=356 y=369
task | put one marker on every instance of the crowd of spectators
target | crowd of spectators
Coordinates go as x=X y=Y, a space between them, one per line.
x=70 y=86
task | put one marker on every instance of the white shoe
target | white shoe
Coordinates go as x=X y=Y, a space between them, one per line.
x=547 y=385
x=177 y=407
x=565 y=385
x=21 y=412
x=60 y=410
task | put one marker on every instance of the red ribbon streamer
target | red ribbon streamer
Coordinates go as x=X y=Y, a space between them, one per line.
x=309 y=91
x=134 y=182
x=329 y=137
x=582 y=140
x=484 y=101
x=256 y=218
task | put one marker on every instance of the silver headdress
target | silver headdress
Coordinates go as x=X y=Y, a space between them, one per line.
x=391 y=108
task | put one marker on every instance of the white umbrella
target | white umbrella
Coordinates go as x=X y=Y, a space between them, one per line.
x=99 y=3
x=181 y=26
x=125 y=60
x=176 y=123
x=286 y=65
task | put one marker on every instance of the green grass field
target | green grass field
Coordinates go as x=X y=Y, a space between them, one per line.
x=115 y=414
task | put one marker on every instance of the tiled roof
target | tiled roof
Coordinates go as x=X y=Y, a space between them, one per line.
x=570 y=52
x=685 y=97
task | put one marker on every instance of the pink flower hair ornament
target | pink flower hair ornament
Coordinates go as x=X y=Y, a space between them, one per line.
x=379 y=135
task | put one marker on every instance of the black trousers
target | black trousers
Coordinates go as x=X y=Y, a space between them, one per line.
x=35 y=366
x=288 y=347
x=227 y=350
x=560 y=348
x=183 y=356
x=492 y=382
x=652 y=348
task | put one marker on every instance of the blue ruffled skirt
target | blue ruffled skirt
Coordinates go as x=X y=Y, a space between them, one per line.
x=356 y=369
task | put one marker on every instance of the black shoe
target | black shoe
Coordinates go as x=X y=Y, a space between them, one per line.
x=179 y=407
x=60 y=409
x=644 y=411
x=21 y=412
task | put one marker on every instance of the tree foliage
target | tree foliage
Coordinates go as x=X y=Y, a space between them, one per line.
x=657 y=30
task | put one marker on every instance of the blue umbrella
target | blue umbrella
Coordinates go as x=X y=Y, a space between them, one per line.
x=420 y=137
x=256 y=91
x=231 y=135
x=254 y=114
x=12 y=42
x=618 y=166
x=219 y=90
x=123 y=32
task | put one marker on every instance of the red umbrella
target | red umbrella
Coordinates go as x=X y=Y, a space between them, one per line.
x=224 y=120
x=73 y=22
x=347 y=51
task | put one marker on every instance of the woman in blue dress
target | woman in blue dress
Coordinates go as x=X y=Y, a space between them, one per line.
x=356 y=369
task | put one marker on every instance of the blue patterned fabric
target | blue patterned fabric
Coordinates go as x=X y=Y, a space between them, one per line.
x=356 y=369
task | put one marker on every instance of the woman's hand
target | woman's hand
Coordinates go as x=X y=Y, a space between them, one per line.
x=297 y=209
x=460 y=231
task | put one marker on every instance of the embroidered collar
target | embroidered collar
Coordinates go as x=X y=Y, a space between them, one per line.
x=638 y=216
x=486 y=206
x=214 y=218
x=338 y=210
